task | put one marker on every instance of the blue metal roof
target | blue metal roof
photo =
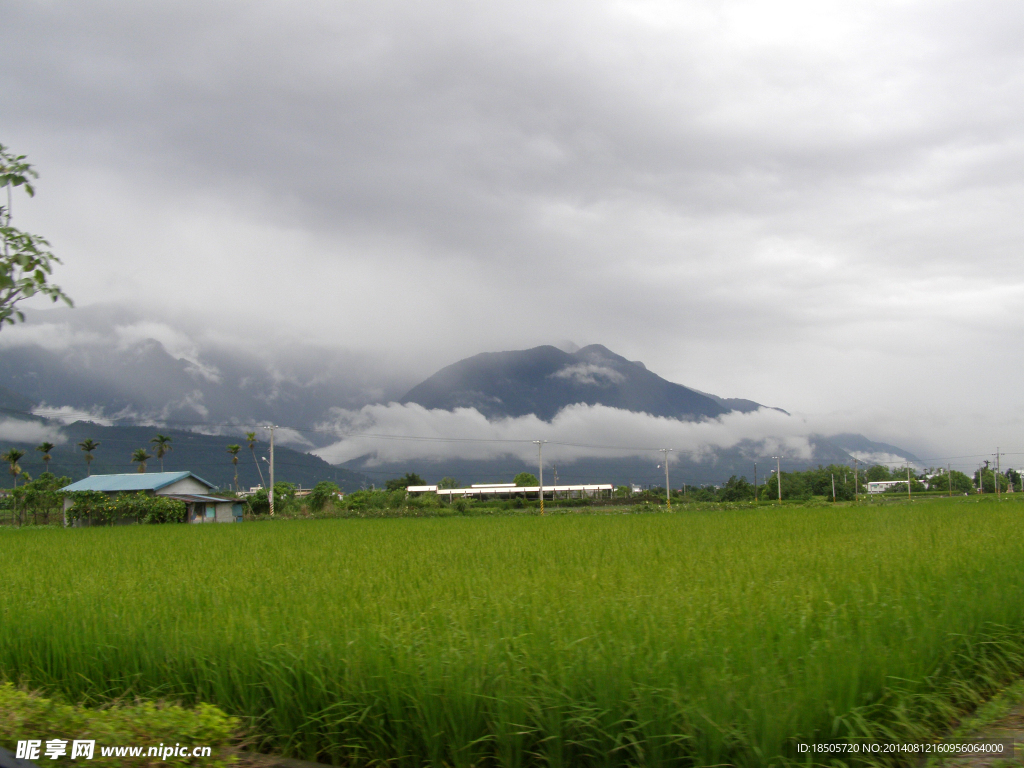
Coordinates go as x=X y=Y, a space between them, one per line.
x=134 y=481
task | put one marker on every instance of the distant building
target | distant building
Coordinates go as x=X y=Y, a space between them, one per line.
x=881 y=486
x=183 y=486
x=511 y=490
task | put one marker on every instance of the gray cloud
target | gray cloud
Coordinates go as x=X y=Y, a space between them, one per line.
x=577 y=431
x=20 y=431
x=813 y=205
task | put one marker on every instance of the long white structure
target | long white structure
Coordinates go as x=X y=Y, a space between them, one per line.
x=509 y=490
x=881 y=486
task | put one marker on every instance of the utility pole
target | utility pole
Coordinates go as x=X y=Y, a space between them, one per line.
x=908 y=482
x=995 y=477
x=778 y=476
x=949 y=479
x=755 y=482
x=270 y=491
x=668 y=488
x=540 y=472
x=833 y=487
x=855 y=494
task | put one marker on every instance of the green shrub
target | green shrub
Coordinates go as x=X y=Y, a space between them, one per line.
x=29 y=716
x=99 y=507
x=322 y=493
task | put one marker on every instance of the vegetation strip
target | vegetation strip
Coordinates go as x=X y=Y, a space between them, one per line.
x=693 y=638
x=25 y=716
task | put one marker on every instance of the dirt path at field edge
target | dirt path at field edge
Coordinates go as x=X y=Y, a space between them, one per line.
x=1009 y=725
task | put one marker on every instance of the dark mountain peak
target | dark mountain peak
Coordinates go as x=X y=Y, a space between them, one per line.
x=544 y=380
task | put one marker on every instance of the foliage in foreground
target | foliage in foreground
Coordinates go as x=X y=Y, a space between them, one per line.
x=102 y=508
x=25 y=263
x=604 y=640
x=27 y=716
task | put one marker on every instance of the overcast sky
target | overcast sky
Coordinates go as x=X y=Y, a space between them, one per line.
x=813 y=205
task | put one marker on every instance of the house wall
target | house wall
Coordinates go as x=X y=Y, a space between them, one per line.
x=184 y=486
x=224 y=513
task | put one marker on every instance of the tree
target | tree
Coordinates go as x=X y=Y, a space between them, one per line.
x=45 y=449
x=284 y=493
x=250 y=438
x=12 y=457
x=26 y=263
x=88 y=445
x=162 y=444
x=139 y=455
x=878 y=472
x=403 y=482
x=233 y=450
x=448 y=482
x=525 y=480
x=323 y=492
x=736 y=490
x=961 y=482
x=42 y=495
x=987 y=481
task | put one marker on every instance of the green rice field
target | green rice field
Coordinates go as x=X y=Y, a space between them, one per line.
x=689 y=638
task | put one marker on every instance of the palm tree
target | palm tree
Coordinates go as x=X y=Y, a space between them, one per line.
x=162 y=443
x=140 y=455
x=250 y=438
x=88 y=445
x=45 y=448
x=233 y=450
x=12 y=457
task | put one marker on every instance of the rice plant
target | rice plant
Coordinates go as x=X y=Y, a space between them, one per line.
x=697 y=638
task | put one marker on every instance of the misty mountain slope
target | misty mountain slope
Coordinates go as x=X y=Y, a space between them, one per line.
x=869 y=451
x=113 y=364
x=205 y=455
x=544 y=380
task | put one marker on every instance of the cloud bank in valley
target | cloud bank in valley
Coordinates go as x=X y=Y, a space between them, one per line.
x=395 y=432
x=21 y=431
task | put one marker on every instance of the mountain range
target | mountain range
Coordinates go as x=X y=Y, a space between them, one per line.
x=104 y=376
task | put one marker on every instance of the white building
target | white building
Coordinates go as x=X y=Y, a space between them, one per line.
x=881 y=486
x=511 y=490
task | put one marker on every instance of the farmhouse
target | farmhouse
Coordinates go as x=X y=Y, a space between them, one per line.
x=183 y=486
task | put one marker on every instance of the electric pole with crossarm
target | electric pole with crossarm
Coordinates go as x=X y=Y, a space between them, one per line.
x=668 y=488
